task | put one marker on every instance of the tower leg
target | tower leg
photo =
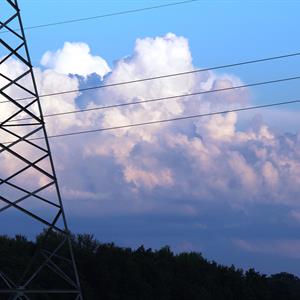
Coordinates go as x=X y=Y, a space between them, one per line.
x=30 y=187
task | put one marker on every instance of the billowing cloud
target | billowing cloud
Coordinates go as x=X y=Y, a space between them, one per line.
x=168 y=166
x=75 y=58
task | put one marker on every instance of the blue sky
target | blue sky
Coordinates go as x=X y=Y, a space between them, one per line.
x=238 y=201
x=219 y=32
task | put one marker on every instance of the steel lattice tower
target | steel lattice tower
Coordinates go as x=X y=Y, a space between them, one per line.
x=28 y=183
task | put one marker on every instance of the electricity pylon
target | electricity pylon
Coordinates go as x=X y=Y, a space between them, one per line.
x=28 y=183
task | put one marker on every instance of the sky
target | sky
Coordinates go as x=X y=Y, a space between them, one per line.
x=226 y=186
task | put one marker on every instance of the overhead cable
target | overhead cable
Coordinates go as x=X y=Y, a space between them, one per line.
x=118 y=13
x=164 y=98
x=160 y=77
x=163 y=121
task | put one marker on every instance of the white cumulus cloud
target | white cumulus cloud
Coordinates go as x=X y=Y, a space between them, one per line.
x=75 y=58
x=165 y=166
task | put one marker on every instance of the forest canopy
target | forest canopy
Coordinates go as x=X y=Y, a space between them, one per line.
x=110 y=272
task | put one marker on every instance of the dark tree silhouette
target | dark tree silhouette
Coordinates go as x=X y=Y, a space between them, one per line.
x=113 y=273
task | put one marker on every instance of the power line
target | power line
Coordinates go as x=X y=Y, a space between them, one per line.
x=161 y=76
x=125 y=12
x=165 y=98
x=166 y=120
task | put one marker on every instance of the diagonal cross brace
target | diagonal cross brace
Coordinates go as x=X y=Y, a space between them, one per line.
x=19 y=51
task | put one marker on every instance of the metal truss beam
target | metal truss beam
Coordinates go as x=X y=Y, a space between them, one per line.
x=31 y=188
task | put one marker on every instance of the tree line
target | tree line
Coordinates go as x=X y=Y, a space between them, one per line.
x=110 y=272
